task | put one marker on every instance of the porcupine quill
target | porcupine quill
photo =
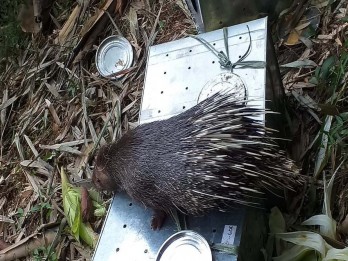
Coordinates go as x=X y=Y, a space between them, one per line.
x=209 y=157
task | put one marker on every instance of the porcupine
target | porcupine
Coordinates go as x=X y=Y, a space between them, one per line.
x=209 y=157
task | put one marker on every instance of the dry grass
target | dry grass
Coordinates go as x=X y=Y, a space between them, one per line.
x=56 y=109
x=53 y=115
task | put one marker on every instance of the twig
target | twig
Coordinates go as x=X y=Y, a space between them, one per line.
x=114 y=24
x=83 y=101
x=27 y=245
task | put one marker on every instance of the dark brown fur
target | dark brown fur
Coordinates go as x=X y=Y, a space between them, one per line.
x=192 y=162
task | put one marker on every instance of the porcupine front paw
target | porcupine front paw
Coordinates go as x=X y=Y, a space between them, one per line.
x=158 y=218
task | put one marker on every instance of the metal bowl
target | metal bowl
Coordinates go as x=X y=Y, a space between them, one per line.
x=185 y=245
x=114 y=54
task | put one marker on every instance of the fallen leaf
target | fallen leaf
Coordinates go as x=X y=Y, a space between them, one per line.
x=300 y=64
x=67 y=29
x=293 y=38
x=3 y=244
x=338 y=41
x=121 y=6
x=133 y=23
x=86 y=205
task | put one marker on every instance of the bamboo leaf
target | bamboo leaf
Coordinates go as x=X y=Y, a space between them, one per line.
x=88 y=235
x=306 y=239
x=276 y=221
x=300 y=64
x=322 y=154
x=337 y=254
x=72 y=209
x=297 y=253
x=327 y=225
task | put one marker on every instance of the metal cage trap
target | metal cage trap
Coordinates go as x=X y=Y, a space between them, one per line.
x=180 y=74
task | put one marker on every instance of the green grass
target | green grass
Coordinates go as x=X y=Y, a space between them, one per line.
x=12 y=39
x=332 y=78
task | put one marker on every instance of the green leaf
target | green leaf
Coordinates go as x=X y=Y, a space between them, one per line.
x=297 y=253
x=300 y=64
x=20 y=212
x=277 y=225
x=46 y=205
x=49 y=156
x=72 y=209
x=327 y=225
x=317 y=73
x=99 y=210
x=35 y=208
x=95 y=196
x=88 y=235
x=323 y=151
x=306 y=239
x=325 y=69
x=276 y=221
x=337 y=254
x=314 y=80
x=339 y=120
x=161 y=24
x=344 y=116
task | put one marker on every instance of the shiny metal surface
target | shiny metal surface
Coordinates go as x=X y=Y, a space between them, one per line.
x=114 y=54
x=185 y=245
x=225 y=82
x=127 y=236
x=178 y=70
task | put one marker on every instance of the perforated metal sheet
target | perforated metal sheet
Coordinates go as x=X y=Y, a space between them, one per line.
x=127 y=235
x=176 y=74
x=178 y=70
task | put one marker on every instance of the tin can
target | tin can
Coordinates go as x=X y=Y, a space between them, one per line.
x=186 y=245
x=114 y=54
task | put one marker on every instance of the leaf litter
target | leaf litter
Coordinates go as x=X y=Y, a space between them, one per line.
x=56 y=110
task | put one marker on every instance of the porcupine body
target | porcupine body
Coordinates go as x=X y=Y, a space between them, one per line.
x=208 y=157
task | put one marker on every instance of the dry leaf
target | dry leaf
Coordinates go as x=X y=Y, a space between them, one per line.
x=133 y=23
x=338 y=41
x=66 y=31
x=121 y=6
x=92 y=30
x=86 y=205
x=293 y=38
x=3 y=244
x=25 y=246
x=138 y=4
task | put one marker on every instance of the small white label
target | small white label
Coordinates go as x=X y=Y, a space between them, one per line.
x=229 y=235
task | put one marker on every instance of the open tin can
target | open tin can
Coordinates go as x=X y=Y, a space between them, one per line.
x=114 y=55
x=185 y=245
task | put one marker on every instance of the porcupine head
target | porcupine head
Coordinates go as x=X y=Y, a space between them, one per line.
x=101 y=179
x=107 y=175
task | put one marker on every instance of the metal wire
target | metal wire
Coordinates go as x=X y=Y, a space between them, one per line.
x=224 y=59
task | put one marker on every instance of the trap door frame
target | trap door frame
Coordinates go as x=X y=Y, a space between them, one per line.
x=171 y=67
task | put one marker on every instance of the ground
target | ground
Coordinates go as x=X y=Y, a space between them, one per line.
x=56 y=109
